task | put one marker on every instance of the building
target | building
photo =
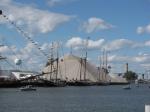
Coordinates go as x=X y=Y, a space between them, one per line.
x=15 y=74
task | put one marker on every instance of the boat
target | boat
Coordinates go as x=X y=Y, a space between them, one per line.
x=28 y=88
x=51 y=77
x=127 y=87
x=83 y=83
x=137 y=83
x=102 y=83
x=52 y=83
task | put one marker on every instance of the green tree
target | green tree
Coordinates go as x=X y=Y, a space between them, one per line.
x=130 y=75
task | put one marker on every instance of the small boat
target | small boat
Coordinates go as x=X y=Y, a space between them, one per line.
x=137 y=83
x=127 y=87
x=28 y=88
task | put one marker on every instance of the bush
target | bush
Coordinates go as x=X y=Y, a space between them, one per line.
x=130 y=76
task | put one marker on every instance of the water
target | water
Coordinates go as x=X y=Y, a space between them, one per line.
x=75 y=99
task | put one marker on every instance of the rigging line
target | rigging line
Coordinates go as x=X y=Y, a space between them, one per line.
x=6 y=43
x=25 y=35
x=9 y=64
x=13 y=52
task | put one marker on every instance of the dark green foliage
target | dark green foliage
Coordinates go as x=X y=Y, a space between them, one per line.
x=130 y=75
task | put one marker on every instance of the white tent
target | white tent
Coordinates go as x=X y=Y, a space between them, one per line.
x=70 y=69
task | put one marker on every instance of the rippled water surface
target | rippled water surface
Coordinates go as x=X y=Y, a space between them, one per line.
x=75 y=99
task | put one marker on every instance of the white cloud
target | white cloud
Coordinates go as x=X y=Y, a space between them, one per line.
x=52 y=3
x=118 y=44
x=32 y=19
x=142 y=58
x=4 y=49
x=138 y=62
x=30 y=55
x=117 y=58
x=147 y=43
x=95 y=24
x=140 y=30
x=143 y=29
x=79 y=43
x=146 y=65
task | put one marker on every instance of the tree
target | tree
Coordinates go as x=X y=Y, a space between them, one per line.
x=130 y=75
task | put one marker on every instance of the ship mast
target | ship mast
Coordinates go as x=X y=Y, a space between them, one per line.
x=100 y=68
x=81 y=61
x=85 y=60
x=106 y=66
x=57 y=61
x=51 y=61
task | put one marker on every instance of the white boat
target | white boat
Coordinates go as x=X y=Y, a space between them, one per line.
x=127 y=87
x=28 y=88
x=137 y=83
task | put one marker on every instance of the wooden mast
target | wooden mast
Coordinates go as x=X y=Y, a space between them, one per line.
x=100 y=68
x=81 y=61
x=57 y=61
x=51 y=61
x=85 y=60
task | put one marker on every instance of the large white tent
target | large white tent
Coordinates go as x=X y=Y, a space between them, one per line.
x=70 y=69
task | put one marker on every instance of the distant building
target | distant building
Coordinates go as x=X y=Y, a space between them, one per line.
x=22 y=75
x=15 y=74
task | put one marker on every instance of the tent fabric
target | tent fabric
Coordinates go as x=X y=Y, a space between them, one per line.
x=70 y=68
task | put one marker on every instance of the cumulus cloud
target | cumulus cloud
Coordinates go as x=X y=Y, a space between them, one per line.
x=147 y=43
x=4 y=49
x=140 y=58
x=118 y=44
x=143 y=29
x=79 y=43
x=31 y=18
x=139 y=61
x=145 y=65
x=118 y=58
x=96 y=24
x=52 y=3
x=30 y=55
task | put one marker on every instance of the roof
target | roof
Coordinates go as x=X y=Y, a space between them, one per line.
x=22 y=75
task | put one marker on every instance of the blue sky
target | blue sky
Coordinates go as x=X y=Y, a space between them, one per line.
x=122 y=27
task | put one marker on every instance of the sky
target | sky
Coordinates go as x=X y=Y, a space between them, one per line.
x=121 y=27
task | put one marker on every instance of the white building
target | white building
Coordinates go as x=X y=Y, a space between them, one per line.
x=18 y=75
